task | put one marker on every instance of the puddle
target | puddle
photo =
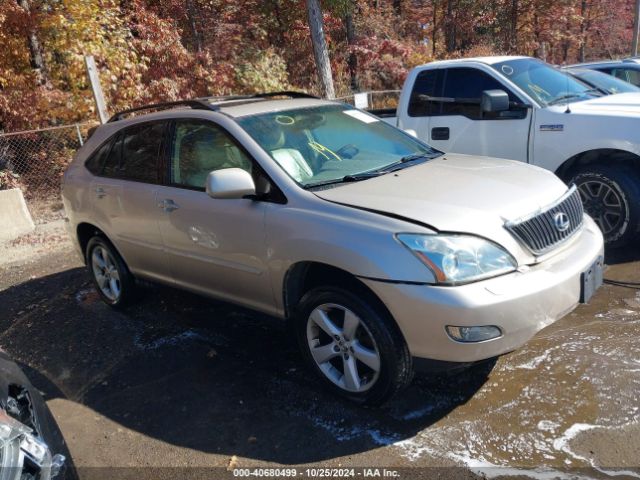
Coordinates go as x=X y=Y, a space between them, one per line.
x=529 y=418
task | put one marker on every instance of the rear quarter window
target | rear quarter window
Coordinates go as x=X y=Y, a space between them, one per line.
x=95 y=162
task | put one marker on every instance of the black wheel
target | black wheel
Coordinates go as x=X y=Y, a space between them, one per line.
x=611 y=196
x=111 y=277
x=353 y=344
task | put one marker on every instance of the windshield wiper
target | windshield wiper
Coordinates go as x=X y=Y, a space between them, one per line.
x=392 y=167
x=564 y=97
x=595 y=90
x=591 y=91
x=418 y=156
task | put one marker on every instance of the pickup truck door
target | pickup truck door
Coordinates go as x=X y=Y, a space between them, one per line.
x=445 y=106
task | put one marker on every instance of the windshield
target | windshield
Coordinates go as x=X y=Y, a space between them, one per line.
x=544 y=83
x=320 y=145
x=604 y=81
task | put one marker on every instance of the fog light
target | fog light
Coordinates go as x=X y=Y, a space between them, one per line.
x=473 y=334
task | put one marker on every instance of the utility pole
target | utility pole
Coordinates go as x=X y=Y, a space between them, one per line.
x=320 y=50
x=636 y=27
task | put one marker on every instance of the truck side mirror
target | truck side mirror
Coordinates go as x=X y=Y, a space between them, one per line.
x=494 y=101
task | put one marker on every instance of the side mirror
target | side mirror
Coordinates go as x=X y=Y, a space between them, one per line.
x=230 y=183
x=411 y=131
x=494 y=101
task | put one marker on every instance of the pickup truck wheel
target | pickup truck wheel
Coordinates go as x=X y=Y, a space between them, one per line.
x=353 y=346
x=611 y=196
x=111 y=277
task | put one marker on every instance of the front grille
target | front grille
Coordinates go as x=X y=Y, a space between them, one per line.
x=544 y=230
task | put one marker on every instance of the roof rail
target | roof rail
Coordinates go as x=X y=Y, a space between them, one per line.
x=195 y=104
x=285 y=93
x=203 y=103
x=256 y=96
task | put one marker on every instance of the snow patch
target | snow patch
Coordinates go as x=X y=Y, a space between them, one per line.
x=534 y=362
x=547 y=426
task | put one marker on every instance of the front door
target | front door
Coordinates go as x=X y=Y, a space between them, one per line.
x=457 y=123
x=214 y=246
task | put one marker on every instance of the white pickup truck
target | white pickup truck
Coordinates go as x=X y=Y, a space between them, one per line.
x=523 y=109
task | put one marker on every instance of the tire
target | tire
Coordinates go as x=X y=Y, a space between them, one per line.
x=111 y=277
x=375 y=335
x=611 y=196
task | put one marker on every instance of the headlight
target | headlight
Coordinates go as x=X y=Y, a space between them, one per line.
x=456 y=259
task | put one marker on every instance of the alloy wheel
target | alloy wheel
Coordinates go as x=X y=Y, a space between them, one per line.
x=343 y=348
x=106 y=273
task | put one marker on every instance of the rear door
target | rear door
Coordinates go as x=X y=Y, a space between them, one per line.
x=214 y=246
x=125 y=192
x=457 y=123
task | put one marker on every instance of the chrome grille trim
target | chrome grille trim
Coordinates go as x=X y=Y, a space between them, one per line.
x=538 y=231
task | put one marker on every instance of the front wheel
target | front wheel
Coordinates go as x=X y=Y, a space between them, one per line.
x=611 y=196
x=353 y=344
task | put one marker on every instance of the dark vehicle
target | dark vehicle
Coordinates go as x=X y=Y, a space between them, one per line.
x=31 y=445
x=627 y=70
x=607 y=84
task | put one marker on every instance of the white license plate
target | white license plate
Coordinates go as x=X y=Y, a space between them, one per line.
x=591 y=280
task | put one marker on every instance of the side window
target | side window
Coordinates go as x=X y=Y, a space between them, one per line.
x=633 y=77
x=201 y=147
x=96 y=161
x=135 y=153
x=428 y=84
x=463 y=88
x=618 y=73
x=141 y=146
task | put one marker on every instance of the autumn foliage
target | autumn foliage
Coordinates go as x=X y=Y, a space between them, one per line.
x=152 y=50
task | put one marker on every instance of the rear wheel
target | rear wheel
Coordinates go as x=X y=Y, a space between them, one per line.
x=352 y=344
x=111 y=277
x=611 y=196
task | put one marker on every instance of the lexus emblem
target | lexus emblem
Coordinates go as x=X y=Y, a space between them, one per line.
x=561 y=221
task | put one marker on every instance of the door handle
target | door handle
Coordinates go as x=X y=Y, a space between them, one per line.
x=168 y=205
x=100 y=192
x=440 y=133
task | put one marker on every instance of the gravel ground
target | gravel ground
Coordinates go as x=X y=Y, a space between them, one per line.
x=180 y=381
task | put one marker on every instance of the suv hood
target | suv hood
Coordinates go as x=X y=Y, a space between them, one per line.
x=457 y=193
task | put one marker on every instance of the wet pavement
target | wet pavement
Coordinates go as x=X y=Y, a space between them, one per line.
x=182 y=381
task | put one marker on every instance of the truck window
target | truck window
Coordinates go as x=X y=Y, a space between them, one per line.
x=464 y=87
x=428 y=84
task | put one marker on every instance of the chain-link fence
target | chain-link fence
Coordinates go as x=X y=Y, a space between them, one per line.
x=35 y=160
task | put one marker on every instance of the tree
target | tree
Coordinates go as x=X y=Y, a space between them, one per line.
x=35 y=50
x=320 y=51
x=636 y=29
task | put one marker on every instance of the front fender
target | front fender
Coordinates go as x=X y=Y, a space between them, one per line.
x=362 y=244
x=576 y=134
